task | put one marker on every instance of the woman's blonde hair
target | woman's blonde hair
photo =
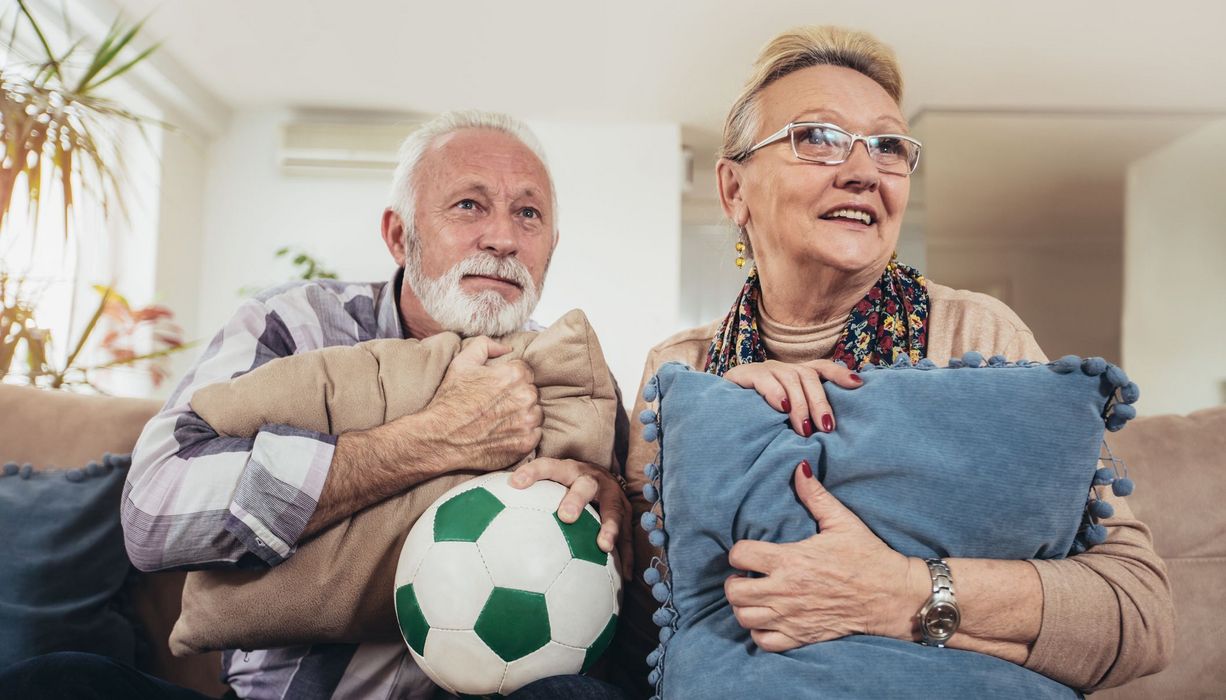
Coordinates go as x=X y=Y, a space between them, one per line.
x=800 y=48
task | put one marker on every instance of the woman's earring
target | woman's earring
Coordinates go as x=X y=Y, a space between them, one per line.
x=740 y=254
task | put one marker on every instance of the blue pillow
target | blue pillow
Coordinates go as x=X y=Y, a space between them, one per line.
x=922 y=454
x=62 y=562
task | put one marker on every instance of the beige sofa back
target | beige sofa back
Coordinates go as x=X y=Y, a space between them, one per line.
x=59 y=429
x=1179 y=466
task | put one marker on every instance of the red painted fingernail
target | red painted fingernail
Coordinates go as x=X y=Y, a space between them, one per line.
x=787 y=405
x=804 y=467
x=856 y=378
x=827 y=422
x=806 y=427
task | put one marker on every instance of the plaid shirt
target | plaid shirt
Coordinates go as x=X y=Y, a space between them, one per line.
x=194 y=499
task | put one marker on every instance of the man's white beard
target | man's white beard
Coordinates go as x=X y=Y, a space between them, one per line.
x=483 y=313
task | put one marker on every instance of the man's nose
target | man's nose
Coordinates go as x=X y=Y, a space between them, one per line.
x=500 y=235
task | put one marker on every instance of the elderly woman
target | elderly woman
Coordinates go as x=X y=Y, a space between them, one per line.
x=815 y=173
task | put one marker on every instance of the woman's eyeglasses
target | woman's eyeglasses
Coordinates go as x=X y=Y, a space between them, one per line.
x=828 y=144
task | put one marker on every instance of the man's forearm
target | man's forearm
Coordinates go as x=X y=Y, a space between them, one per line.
x=370 y=466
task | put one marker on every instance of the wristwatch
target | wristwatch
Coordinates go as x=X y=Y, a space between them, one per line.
x=939 y=618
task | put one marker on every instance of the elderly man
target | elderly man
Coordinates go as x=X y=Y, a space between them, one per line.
x=472 y=228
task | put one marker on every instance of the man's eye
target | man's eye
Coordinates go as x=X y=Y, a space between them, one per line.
x=467 y=204
x=530 y=213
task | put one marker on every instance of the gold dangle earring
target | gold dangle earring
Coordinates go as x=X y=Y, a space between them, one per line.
x=740 y=249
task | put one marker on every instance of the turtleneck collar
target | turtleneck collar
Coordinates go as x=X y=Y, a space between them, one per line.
x=794 y=344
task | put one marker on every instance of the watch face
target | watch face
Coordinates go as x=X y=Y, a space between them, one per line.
x=942 y=620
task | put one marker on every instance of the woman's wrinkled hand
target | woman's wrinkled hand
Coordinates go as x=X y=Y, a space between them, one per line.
x=796 y=389
x=842 y=581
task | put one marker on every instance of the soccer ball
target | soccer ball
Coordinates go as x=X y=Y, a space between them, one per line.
x=494 y=592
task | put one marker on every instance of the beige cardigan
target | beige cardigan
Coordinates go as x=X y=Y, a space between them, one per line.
x=1107 y=614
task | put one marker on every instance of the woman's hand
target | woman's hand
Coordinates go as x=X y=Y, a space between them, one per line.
x=796 y=389
x=842 y=581
x=587 y=483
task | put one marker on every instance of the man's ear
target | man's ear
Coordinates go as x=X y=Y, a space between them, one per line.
x=728 y=175
x=393 y=230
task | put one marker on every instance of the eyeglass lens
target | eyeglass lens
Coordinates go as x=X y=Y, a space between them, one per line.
x=822 y=145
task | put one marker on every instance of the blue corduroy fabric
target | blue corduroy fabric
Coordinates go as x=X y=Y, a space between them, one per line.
x=992 y=461
x=62 y=562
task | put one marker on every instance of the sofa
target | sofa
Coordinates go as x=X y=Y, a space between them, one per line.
x=58 y=429
x=1176 y=461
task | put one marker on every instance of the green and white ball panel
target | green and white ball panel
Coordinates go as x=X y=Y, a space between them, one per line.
x=464 y=662
x=560 y=659
x=514 y=623
x=415 y=548
x=453 y=572
x=582 y=586
x=502 y=546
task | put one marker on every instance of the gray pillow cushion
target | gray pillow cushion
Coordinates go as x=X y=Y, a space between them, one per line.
x=62 y=562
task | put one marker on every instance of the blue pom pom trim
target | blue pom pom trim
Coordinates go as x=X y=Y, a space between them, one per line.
x=649 y=520
x=657 y=576
x=651 y=432
x=1114 y=474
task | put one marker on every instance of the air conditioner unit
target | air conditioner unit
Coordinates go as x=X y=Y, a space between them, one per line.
x=340 y=147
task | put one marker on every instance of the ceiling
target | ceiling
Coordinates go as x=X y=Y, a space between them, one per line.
x=682 y=61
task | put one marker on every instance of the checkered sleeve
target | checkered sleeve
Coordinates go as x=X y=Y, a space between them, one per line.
x=195 y=499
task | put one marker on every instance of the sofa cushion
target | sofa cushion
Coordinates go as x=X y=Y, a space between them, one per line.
x=338 y=586
x=921 y=456
x=1177 y=462
x=62 y=562
x=48 y=428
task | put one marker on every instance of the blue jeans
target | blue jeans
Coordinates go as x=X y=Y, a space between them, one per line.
x=73 y=675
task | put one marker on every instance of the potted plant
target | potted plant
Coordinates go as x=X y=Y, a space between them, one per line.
x=58 y=133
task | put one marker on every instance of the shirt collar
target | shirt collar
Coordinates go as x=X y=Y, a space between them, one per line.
x=389 y=321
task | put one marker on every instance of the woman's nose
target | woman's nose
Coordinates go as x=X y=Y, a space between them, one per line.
x=859 y=172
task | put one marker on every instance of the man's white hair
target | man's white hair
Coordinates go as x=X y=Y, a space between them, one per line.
x=403 y=199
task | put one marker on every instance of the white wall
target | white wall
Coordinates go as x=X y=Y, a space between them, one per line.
x=1174 y=339
x=617 y=256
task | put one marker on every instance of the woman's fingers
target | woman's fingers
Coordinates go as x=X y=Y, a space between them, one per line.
x=753 y=617
x=770 y=640
x=796 y=389
x=757 y=377
x=833 y=371
x=799 y=414
x=820 y=414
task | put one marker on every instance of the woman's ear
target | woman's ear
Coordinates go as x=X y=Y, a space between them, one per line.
x=728 y=176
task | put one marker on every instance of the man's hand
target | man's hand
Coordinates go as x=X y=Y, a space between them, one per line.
x=587 y=483
x=842 y=581
x=483 y=416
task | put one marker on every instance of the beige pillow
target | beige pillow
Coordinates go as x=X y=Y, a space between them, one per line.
x=337 y=588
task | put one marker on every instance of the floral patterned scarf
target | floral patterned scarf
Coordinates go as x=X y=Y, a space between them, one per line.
x=890 y=322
